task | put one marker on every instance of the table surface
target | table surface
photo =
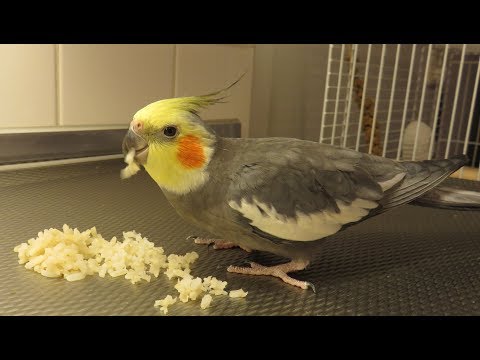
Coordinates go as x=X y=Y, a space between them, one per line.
x=409 y=261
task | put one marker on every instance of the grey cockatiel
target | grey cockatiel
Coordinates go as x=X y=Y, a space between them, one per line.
x=277 y=195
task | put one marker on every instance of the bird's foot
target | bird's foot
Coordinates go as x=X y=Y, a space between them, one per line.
x=218 y=244
x=279 y=271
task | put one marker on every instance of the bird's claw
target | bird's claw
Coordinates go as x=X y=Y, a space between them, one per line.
x=194 y=238
x=210 y=245
x=246 y=263
x=310 y=285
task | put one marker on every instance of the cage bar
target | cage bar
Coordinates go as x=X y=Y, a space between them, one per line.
x=349 y=104
x=422 y=98
x=365 y=82
x=470 y=116
x=405 y=107
x=392 y=97
x=340 y=70
x=417 y=82
x=322 y=125
x=439 y=97
x=379 y=87
x=455 y=101
x=464 y=103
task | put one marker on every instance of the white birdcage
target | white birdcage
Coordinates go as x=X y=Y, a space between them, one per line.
x=407 y=102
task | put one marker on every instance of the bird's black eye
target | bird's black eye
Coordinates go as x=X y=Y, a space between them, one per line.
x=170 y=131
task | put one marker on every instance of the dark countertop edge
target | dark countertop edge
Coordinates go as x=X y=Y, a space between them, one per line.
x=21 y=148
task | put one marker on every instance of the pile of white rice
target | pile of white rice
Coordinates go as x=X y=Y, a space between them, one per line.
x=73 y=255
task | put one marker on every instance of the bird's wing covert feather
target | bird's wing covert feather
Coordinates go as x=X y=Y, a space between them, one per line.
x=299 y=201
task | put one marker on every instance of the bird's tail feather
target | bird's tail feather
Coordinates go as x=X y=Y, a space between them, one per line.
x=421 y=177
x=446 y=197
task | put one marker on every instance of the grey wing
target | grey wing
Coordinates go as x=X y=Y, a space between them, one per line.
x=299 y=202
x=313 y=190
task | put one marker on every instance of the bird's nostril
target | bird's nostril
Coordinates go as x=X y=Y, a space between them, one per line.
x=138 y=125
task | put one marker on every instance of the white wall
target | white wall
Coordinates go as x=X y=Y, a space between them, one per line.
x=27 y=85
x=288 y=88
x=203 y=68
x=102 y=86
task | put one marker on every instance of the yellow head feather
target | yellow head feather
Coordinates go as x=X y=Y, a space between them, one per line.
x=168 y=111
x=159 y=113
x=179 y=165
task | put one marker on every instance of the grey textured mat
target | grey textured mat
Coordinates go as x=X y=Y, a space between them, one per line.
x=411 y=261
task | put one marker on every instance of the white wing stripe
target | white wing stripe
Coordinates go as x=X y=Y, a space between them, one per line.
x=393 y=181
x=304 y=227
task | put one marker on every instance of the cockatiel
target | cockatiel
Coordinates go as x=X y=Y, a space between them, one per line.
x=278 y=195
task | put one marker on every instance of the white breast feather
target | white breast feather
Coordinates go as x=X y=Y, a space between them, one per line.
x=304 y=227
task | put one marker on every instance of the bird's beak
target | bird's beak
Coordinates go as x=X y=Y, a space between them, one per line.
x=134 y=141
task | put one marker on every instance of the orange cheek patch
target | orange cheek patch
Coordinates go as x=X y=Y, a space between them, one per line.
x=190 y=152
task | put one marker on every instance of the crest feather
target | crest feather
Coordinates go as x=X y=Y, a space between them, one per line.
x=194 y=104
